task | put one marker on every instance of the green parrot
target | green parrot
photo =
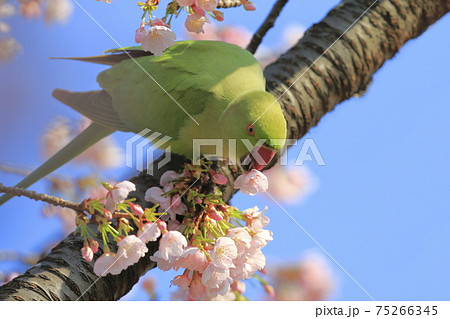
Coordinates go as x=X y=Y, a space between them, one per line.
x=195 y=90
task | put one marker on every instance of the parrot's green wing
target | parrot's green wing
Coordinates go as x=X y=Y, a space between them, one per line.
x=166 y=93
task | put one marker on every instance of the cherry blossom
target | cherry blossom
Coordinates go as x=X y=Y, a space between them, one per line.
x=149 y=232
x=93 y=244
x=87 y=253
x=162 y=263
x=241 y=238
x=130 y=250
x=207 y=5
x=217 y=278
x=218 y=15
x=192 y=259
x=252 y=182
x=155 y=195
x=255 y=218
x=140 y=33
x=172 y=244
x=247 y=265
x=224 y=252
x=157 y=39
x=173 y=224
x=168 y=177
x=261 y=238
x=58 y=10
x=248 y=5
x=290 y=185
x=185 y=3
x=182 y=281
x=118 y=194
x=108 y=264
x=194 y=23
x=136 y=209
x=197 y=289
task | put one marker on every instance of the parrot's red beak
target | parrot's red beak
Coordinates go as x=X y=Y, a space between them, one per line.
x=261 y=156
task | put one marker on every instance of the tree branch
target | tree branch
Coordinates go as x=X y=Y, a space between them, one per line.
x=310 y=79
x=266 y=25
x=53 y=200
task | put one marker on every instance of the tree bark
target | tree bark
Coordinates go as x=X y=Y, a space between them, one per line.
x=311 y=79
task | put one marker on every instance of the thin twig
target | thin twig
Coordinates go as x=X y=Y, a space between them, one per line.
x=266 y=25
x=229 y=3
x=53 y=200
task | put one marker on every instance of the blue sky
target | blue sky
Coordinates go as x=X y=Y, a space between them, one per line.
x=381 y=208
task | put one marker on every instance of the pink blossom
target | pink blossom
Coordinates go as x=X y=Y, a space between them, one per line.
x=207 y=5
x=255 y=218
x=140 y=33
x=261 y=238
x=107 y=213
x=158 y=21
x=219 y=179
x=94 y=245
x=155 y=195
x=87 y=253
x=168 y=177
x=118 y=194
x=136 y=209
x=58 y=10
x=247 y=265
x=218 y=15
x=225 y=295
x=130 y=250
x=31 y=9
x=162 y=225
x=197 y=290
x=224 y=252
x=172 y=244
x=194 y=23
x=157 y=39
x=149 y=232
x=108 y=264
x=290 y=185
x=182 y=281
x=192 y=259
x=176 y=201
x=241 y=238
x=173 y=224
x=185 y=3
x=214 y=214
x=248 y=5
x=308 y=279
x=162 y=263
x=252 y=182
x=216 y=278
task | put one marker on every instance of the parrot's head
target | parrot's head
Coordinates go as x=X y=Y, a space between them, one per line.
x=257 y=125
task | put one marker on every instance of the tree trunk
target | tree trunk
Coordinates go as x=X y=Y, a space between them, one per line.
x=334 y=61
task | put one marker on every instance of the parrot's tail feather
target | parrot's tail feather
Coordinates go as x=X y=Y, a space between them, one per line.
x=95 y=105
x=87 y=138
x=109 y=59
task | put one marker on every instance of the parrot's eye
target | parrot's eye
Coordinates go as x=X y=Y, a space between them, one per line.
x=250 y=129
